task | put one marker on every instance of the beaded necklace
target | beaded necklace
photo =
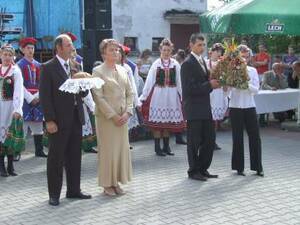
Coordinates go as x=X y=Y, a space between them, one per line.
x=6 y=72
x=166 y=67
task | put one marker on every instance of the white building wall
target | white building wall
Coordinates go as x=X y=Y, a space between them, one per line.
x=144 y=18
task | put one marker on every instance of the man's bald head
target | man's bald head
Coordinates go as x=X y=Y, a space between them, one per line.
x=276 y=65
x=296 y=66
x=63 y=46
x=278 y=68
x=59 y=40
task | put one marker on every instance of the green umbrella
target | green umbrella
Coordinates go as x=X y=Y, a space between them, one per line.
x=254 y=17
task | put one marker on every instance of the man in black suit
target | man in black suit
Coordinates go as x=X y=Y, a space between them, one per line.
x=196 y=88
x=64 y=118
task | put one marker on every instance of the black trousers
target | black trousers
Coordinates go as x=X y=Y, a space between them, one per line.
x=65 y=152
x=247 y=118
x=200 y=145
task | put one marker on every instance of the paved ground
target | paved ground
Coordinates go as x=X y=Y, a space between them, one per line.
x=161 y=193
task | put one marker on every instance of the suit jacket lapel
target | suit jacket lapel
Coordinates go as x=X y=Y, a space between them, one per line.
x=60 y=70
x=199 y=67
x=197 y=64
x=204 y=63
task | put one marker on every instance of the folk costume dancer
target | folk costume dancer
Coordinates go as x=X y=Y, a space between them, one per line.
x=11 y=102
x=161 y=99
x=33 y=115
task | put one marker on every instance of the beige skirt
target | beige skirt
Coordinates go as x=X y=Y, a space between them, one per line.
x=114 y=159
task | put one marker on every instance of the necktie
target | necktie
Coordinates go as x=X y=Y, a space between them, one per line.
x=69 y=74
x=202 y=64
x=67 y=69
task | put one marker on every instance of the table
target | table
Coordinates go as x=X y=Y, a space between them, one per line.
x=268 y=101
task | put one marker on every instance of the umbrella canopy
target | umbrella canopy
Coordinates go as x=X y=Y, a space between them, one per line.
x=254 y=17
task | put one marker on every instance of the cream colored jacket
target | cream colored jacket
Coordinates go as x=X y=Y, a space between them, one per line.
x=116 y=95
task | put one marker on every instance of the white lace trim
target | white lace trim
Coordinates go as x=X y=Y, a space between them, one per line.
x=74 y=86
x=165 y=115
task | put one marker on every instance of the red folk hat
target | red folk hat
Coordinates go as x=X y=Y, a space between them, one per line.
x=27 y=41
x=126 y=49
x=72 y=36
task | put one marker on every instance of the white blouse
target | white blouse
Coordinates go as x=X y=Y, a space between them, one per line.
x=245 y=98
x=18 y=95
x=151 y=78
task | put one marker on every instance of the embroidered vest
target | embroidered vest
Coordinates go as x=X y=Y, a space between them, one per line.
x=166 y=77
x=31 y=74
x=7 y=88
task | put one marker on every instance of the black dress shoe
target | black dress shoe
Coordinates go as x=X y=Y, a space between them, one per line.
x=197 y=176
x=12 y=173
x=241 y=173
x=208 y=175
x=260 y=173
x=168 y=151
x=91 y=151
x=80 y=195
x=54 y=201
x=41 y=154
x=160 y=153
x=217 y=147
x=17 y=158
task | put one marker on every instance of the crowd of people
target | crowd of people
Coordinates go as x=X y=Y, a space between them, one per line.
x=274 y=74
x=172 y=94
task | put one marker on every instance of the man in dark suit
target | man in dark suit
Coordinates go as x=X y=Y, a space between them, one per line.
x=64 y=118
x=196 y=88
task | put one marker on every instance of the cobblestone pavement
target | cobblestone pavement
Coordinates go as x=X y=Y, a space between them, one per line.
x=161 y=193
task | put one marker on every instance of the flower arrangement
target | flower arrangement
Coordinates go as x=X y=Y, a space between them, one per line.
x=231 y=69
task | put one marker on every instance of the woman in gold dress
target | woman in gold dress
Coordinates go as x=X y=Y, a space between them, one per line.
x=113 y=109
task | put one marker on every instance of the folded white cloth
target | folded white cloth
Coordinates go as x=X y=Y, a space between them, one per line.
x=74 y=86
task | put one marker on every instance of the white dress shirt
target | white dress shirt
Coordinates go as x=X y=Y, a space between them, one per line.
x=245 y=98
x=63 y=62
x=200 y=60
x=67 y=70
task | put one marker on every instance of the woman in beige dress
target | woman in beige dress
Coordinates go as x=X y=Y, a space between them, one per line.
x=113 y=109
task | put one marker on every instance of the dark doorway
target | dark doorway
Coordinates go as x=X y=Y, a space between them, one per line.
x=180 y=34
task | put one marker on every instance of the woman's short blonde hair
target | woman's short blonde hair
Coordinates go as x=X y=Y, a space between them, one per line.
x=105 y=43
x=7 y=48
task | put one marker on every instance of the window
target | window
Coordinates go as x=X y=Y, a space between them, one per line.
x=131 y=42
x=155 y=43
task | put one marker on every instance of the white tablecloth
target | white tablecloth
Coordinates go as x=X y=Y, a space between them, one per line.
x=268 y=101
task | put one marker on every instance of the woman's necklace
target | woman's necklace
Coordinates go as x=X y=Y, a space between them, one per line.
x=6 y=72
x=166 y=66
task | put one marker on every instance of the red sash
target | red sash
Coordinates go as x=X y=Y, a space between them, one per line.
x=32 y=90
